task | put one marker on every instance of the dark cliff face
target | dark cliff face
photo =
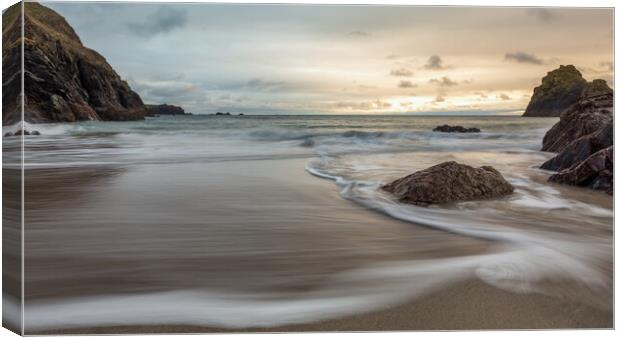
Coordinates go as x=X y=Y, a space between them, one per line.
x=560 y=89
x=164 y=109
x=63 y=80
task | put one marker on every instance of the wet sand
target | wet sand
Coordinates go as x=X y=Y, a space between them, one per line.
x=260 y=226
x=468 y=305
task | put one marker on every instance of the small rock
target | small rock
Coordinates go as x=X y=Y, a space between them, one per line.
x=455 y=128
x=449 y=182
x=35 y=133
x=19 y=132
x=308 y=142
x=8 y=134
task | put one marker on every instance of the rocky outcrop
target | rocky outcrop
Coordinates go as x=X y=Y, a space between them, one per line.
x=590 y=114
x=164 y=109
x=596 y=172
x=584 y=139
x=449 y=182
x=455 y=128
x=580 y=149
x=64 y=81
x=560 y=89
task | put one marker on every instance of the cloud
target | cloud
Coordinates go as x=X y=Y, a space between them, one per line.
x=392 y=57
x=406 y=85
x=369 y=105
x=543 y=14
x=402 y=72
x=504 y=97
x=439 y=98
x=434 y=63
x=359 y=34
x=443 y=82
x=481 y=94
x=263 y=85
x=522 y=57
x=164 y=20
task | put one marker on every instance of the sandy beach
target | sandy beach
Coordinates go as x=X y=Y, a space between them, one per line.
x=469 y=305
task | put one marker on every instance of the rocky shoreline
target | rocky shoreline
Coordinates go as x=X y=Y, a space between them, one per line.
x=582 y=139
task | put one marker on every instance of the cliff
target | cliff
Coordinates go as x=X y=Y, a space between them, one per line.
x=164 y=109
x=560 y=89
x=63 y=80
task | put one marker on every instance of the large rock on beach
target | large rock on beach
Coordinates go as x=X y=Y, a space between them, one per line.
x=581 y=148
x=596 y=172
x=590 y=114
x=560 y=89
x=455 y=128
x=64 y=80
x=449 y=182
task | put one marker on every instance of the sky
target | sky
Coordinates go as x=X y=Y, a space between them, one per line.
x=294 y=59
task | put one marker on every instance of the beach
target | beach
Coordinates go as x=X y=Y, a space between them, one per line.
x=265 y=223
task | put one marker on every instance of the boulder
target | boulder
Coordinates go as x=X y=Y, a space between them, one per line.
x=596 y=172
x=65 y=81
x=449 y=182
x=590 y=114
x=455 y=128
x=581 y=148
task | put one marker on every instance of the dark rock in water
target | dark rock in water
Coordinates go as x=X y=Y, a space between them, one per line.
x=449 y=182
x=164 y=109
x=560 y=89
x=222 y=113
x=581 y=148
x=308 y=142
x=596 y=172
x=24 y=132
x=240 y=114
x=65 y=81
x=455 y=128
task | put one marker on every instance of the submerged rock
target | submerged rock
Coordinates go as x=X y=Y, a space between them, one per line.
x=66 y=81
x=19 y=132
x=308 y=142
x=455 y=128
x=449 y=182
x=596 y=172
